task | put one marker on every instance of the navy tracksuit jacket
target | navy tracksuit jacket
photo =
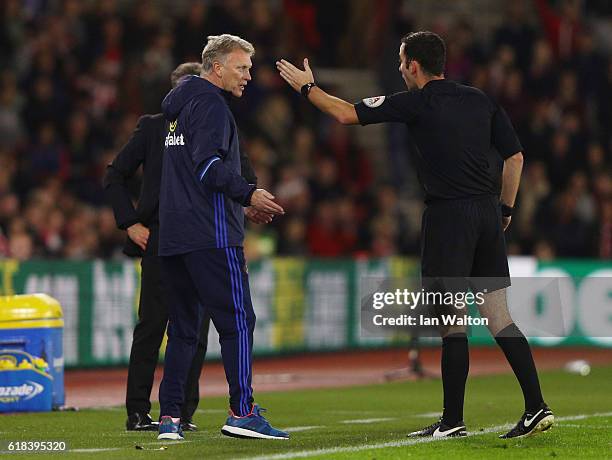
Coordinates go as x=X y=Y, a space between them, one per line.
x=201 y=234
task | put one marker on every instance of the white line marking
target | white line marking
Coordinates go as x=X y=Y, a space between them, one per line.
x=428 y=415
x=104 y=408
x=574 y=425
x=164 y=442
x=569 y=418
x=407 y=442
x=368 y=420
x=211 y=411
x=348 y=412
x=295 y=429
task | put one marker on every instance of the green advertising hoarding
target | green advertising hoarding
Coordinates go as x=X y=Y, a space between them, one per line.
x=301 y=305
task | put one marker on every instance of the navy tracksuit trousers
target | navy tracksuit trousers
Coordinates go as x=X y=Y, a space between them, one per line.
x=216 y=281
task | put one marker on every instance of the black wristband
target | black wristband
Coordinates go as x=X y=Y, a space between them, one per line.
x=305 y=89
x=506 y=210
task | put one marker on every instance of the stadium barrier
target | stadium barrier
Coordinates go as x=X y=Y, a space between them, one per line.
x=302 y=305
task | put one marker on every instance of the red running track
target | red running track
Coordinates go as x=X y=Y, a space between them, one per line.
x=106 y=387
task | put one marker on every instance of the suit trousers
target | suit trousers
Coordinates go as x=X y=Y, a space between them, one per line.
x=148 y=336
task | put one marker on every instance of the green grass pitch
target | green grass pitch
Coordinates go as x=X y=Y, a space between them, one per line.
x=368 y=422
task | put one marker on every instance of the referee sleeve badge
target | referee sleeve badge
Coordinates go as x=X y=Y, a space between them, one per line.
x=373 y=102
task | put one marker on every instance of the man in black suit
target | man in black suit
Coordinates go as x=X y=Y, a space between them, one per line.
x=145 y=147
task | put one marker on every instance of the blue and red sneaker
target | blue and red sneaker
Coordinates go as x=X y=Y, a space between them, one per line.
x=253 y=426
x=169 y=429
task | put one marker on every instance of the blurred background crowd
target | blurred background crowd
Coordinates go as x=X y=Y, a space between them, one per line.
x=76 y=75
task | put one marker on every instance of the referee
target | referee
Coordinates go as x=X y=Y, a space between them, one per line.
x=469 y=162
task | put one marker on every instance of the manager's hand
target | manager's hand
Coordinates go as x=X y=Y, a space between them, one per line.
x=257 y=217
x=294 y=76
x=139 y=234
x=262 y=200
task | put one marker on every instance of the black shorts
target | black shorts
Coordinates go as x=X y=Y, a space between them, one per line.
x=464 y=239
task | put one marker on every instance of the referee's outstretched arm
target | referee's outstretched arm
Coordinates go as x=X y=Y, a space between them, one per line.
x=510 y=182
x=303 y=81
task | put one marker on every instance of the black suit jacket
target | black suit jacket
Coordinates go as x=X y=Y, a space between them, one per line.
x=145 y=147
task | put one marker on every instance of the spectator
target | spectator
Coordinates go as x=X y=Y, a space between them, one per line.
x=47 y=157
x=11 y=127
x=541 y=75
x=534 y=188
x=20 y=246
x=605 y=231
x=293 y=238
x=76 y=73
x=562 y=27
x=516 y=32
x=323 y=238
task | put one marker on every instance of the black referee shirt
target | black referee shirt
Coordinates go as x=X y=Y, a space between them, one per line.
x=459 y=137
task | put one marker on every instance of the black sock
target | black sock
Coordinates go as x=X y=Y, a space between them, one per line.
x=455 y=366
x=518 y=353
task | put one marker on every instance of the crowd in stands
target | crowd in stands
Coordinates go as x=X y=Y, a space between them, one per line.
x=75 y=76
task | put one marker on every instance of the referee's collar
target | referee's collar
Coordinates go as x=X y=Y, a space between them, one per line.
x=435 y=82
x=442 y=86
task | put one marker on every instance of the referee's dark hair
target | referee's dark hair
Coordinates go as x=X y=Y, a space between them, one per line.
x=184 y=69
x=428 y=49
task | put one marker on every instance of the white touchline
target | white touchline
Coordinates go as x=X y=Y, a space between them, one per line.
x=211 y=411
x=105 y=408
x=569 y=418
x=427 y=415
x=164 y=442
x=295 y=429
x=353 y=413
x=407 y=442
x=576 y=425
x=368 y=420
x=333 y=450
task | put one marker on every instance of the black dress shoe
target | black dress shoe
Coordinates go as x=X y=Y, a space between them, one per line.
x=188 y=425
x=138 y=422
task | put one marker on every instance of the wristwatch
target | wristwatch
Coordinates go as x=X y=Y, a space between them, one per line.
x=506 y=210
x=305 y=89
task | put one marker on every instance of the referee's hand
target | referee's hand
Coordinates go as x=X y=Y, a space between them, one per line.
x=294 y=76
x=506 y=222
x=262 y=200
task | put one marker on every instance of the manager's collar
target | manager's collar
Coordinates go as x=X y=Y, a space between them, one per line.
x=227 y=95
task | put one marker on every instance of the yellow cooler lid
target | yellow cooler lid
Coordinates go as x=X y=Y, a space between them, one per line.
x=29 y=307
